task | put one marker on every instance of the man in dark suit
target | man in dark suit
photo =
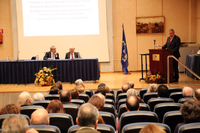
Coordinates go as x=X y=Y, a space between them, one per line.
x=87 y=118
x=51 y=54
x=173 y=45
x=65 y=98
x=71 y=54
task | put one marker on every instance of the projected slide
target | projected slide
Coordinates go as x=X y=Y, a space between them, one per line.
x=60 y=17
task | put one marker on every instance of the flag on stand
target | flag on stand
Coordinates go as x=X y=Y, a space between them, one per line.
x=124 y=56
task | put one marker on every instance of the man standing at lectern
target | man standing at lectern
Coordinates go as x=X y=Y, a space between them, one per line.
x=173 y=45
x=71 y=54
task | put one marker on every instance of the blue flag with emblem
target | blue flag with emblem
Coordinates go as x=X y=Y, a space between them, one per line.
x=124 y=56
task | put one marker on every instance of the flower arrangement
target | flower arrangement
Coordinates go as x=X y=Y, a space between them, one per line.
x=154 y=78
x=44 y=77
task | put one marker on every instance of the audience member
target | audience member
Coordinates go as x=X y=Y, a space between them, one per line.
x=152 y=128
x=74 y=94
x=134 y=93
x=101 y=85
x=54 y=90
x=153 y=88
x=131 y=84
x=101 y=96
x=55 y=106
x=190 y=112
x=125 y=88
x=10 y=109
x=197 y=95
x=59 y=85
x=38 y=96
x=87 y=118
x=24 y=99
x=132 y=104
x=80 y=88
x=40 y=117
x=79 y=82
x=107 y=89
x=163 y=91
x=99 y=104
x=65 y=97
x=187 y=92
x=102 y=90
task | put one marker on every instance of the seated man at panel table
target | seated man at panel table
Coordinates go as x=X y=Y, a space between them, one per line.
x=52 y=54
x=71 y=54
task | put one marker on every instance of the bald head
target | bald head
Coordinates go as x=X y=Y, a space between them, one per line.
x=131 y=84
x=125 y=87
x=197 y=94
x=132 y=103
x=131 y=92
x=24 y=98
x=187 y=91
x=65 y=96
x=101 y=96
x=40 y=117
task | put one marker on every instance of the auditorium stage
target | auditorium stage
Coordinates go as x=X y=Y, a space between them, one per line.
x=113 y=80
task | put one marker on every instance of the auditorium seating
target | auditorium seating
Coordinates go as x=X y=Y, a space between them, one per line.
x=62 y=121
x=182 y=100
x=190 y=128
x=172 y=118
x=120 y=102
x=43 y=103
x=51 y=97
x=72 y=110
x=136 y=127
x=118 y=92
x=153 y=101
x=77 y=101
x=2 y=117
x=121 y=96
x=109 y=108
x=84 y=97
x=137 y=116
x=89 y=92
x=149 y=95
x=112 y=91
x=176 y=96
x=45 y=128
x=28 y=110
x=109 y=101
x=161 y=108
x=110 y=96
x=174 y=89
x=108 y=118
x=142 y=91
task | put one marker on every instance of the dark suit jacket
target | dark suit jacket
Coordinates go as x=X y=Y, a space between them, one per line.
x=48 y=55
x=87 y=130
x=71 y=103
x=173 y=46
x=76 y=54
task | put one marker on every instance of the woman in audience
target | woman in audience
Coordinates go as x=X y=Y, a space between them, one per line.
x=80 y=88
x=152 y=88
x=74 y=94
x=107 y=89
x=55 y=106
x=10 y=109
x=59 y=85
x=99 y=104
x=54 y=90
x=152 y=128
x=190 y=112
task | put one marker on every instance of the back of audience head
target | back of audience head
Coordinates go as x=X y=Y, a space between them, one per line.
x=153 y=88
x=79 y=82
x=55 y=106
x=107 y=89
x=54 y=90
x=38 y=96
x=131 y=92
x=65 y=96
x=132 y=103
x=74 y=94
x=101 y=85
x=10 y=109
x=101 y=96
x=59 y=85
x=80 y=88
x=102 y=90
x=152 y=128
x=163 y=91
x=40 y=117
x=125 y=88
x=97 y=102
x=87 y=116
x=131 y=84
x=190 y=111
x=15 y=124
x=24 y=98
x=187 y=91
x=197 y=94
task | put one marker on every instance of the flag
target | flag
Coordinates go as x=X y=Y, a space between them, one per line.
x=124 y=56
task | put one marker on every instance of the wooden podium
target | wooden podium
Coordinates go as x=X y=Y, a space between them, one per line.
x=158 y=63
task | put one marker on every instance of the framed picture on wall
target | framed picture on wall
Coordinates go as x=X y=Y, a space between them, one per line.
x=148 y=25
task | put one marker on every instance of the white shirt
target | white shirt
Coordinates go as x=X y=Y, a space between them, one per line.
x=71 y=56
x=52 y=55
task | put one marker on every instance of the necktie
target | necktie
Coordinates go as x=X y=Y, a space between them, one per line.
x=53 y=56
x=170 y=40
x=72 y=56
